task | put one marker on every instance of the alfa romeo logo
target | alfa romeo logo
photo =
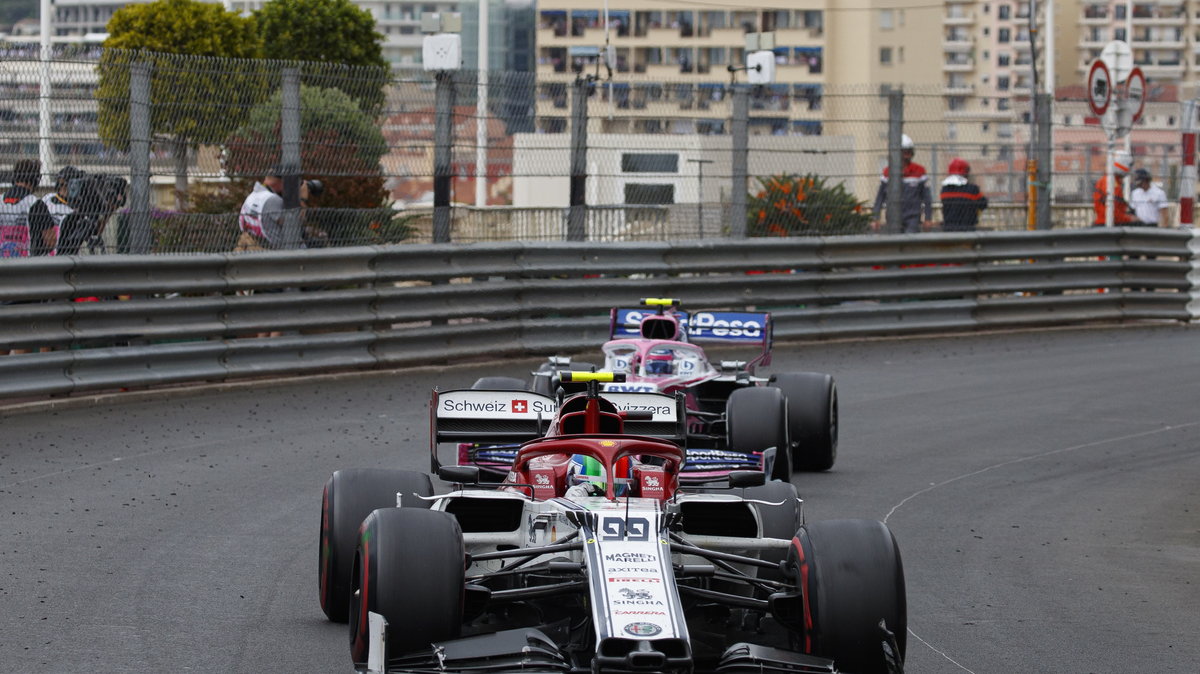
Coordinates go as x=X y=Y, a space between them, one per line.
x=642 y=629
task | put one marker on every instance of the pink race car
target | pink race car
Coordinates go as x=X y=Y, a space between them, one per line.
x=736 y=420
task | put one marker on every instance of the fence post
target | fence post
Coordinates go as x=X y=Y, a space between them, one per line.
x=443 y=142
x=740 y=161
x=895 y=186
x=289 y=158
x=139 y=155
x=1045 y=154
x=577 y=211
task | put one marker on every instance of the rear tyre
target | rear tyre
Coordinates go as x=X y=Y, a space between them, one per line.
x=409 y=568
x=778 y=521
x=756 y=419
x=852 y=578
x=499 y=384
x=812 y=418
x=349 y=496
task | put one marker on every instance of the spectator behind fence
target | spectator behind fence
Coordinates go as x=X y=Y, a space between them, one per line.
x=961 y=199
x=1148 y=200
x=916 y=199
x=1121 y=214
x=58 y=207
x=261 y=218
x=18 y=206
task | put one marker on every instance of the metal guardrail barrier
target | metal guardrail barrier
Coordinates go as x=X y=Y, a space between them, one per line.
x=168 y=319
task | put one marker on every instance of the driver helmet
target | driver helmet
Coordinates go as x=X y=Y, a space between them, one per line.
x=660 y=362
x=586 y=470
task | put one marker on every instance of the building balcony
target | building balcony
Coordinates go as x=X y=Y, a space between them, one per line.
x=959 y=89
x=962 y=19
x=958 y=43
x=1169 y=70
x=980 y=114
x=966 y=67
x=1161 y=20
x=1094 y=20
x=1151 y=43
x=1089 y=43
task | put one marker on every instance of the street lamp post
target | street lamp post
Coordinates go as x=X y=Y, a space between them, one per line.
x=700 y=192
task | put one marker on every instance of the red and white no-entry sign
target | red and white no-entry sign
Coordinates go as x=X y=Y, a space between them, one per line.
x=1135 y=90
x=1099 y=88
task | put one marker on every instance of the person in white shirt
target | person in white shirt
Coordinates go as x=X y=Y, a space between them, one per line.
x=1148 y=200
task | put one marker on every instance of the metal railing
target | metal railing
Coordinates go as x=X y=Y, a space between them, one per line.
x=171 y=319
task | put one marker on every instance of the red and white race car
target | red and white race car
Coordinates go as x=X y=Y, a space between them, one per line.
x=736 y=419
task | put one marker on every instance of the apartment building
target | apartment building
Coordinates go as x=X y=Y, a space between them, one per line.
x=671 y=59
x=1164 y=36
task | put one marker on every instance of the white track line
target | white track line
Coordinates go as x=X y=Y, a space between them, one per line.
x=1011 y=462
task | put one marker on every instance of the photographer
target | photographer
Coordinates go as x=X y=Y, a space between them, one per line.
x=49 y=224
x=261 y=220
x=93 y=199
x=20 y=208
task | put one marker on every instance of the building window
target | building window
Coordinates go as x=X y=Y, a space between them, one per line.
x=886 y=19
x=642 y=193
x=1004 y=12
x=885 y=56
x=1003 y=35
x=1002 y=83
x=1003 y=60
x=641 y=162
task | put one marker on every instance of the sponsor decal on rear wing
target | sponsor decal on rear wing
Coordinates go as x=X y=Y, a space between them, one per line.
x=713 y=326
x=495 y=417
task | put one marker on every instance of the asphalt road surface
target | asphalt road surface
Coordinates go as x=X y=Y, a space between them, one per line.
x=1044 y=488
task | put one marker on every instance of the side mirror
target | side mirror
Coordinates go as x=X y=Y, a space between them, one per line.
x=740 y=479
x=460 y=474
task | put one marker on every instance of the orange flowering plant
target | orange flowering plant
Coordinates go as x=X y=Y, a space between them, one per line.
x=792 y=205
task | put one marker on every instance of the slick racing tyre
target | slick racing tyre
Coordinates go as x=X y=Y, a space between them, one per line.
x=409 y=568
x=350 y=495
x=755 y=419
x=499 y=384
x=812 y=418
x=778 y=521
x=852 y=579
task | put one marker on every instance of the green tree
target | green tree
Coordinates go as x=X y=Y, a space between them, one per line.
x=790 y=205
x=329 y=32
x=193 y=100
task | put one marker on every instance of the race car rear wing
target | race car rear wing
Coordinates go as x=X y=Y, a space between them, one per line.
x=725 y=327
x=514 y=417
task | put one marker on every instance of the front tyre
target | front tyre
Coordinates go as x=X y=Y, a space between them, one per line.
x=349 y=496
x=852 y=579
x=812 y=418
x=409 y=568
x=755 y=420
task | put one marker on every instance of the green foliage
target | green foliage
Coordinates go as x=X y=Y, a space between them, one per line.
x=790 y=205
x=193 y=100
x=330 y=32
x=336 y=137
x=12 y=11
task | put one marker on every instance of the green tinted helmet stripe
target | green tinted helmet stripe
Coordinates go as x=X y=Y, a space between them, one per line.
x=592 y=467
